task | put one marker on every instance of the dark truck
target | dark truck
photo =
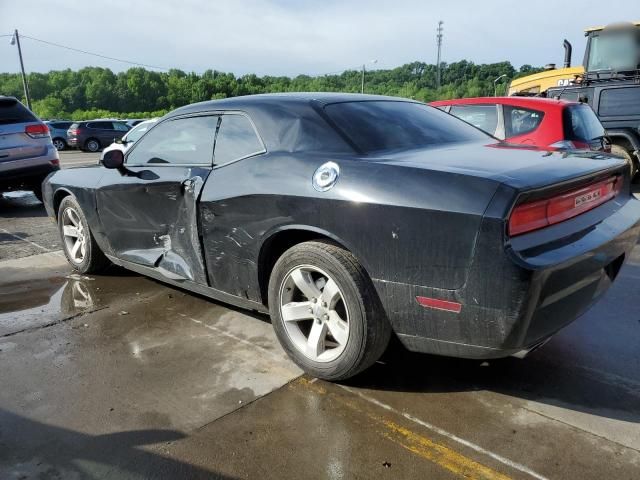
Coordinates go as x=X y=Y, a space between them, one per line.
x=616 y=101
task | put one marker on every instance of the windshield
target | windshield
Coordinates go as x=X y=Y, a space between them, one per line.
x=379 y=125
x=617 y=50
x=580 y=123
x=137 y=131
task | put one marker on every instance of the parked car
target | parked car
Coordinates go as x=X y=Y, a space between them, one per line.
x=540 y=122
x=95 y=134
x=58 y=131
x=349 y=217
x=132 y=122
x=131 y=137
x=27 y=154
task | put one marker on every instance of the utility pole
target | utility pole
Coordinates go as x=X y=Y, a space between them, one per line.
x=362 y=85
x=15 y=40
x=439 y=43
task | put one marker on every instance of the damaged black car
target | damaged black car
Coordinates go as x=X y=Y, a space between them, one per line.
x=351 y=218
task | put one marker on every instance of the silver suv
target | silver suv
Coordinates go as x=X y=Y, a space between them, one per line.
x=27 y=154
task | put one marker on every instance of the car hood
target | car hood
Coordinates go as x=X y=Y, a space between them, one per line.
x=517 y=166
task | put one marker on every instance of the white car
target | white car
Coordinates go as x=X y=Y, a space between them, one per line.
x=131 y=137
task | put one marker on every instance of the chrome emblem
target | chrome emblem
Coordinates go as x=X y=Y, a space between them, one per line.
x=326 y=176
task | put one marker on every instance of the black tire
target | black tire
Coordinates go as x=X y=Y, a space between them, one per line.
x=622 y=152
x=94 y=260
x=92 y=145
x=60 y=144
x=369 y=329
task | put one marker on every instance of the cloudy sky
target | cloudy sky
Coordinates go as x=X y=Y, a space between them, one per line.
x=297 y=36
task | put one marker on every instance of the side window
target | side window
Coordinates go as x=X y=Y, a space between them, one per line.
x=121 y=127
x=183 y=141
x=519 y=121
x=485 y=117
x=236 y=139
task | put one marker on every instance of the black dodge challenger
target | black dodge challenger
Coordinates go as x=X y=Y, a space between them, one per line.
x=352 y=217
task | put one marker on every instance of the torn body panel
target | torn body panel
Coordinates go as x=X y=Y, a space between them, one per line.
x=153 y=218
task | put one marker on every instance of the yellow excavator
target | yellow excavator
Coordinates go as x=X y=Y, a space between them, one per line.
x=609 y=48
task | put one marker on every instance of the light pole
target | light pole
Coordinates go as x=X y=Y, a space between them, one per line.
x=495 y=84
x=363 y=70
x=15 y=40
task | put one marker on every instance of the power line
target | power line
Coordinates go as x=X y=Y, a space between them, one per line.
x=94 y=54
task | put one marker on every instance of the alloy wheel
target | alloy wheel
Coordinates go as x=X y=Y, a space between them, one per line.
x=73 y=235
x=59 y=144
x=93 y=146
x=314 y=313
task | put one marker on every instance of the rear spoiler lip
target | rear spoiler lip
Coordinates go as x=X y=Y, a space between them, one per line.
x=546 y=191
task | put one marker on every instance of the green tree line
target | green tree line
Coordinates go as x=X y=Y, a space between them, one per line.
x=94 y=92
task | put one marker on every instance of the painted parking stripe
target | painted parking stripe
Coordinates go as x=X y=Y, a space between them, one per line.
x=37 y=245
x=444 y=433
x=420 y=445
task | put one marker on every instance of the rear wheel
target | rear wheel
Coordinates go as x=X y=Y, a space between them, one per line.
x=59 y=144
x=326 y=312
x=92 y=145
x=80 y=248
x=622 y=152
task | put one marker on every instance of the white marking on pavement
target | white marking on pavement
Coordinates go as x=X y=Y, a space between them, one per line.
x=451 y=436
x=29 y=241
x=234 y=337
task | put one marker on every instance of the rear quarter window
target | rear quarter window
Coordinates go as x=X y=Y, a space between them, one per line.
x=236 y=139
x=12 y=111
x=519 y=121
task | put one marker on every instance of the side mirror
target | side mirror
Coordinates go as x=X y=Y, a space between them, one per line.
x=113 y=159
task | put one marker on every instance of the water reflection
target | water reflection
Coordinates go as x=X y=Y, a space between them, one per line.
x=31 y=303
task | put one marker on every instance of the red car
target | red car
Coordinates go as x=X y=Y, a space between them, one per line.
x=539 y=122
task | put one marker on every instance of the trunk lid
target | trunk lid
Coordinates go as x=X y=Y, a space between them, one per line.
x=520 y=167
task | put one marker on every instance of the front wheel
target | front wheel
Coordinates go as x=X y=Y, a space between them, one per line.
x=80 y=248
x=326 y=312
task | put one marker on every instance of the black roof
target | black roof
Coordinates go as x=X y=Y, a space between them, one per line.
x=288 y=121
x=248 y=101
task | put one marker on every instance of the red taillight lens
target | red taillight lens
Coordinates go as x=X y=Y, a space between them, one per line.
x=55 y=162
x=536 y=215
x=38 y=130
x=73 y=131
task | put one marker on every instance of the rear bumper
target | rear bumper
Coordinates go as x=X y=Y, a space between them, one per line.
x=27 y=172
x=516 y=299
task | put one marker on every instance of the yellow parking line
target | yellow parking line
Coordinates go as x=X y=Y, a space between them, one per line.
x=422 y=446
x=439 y=454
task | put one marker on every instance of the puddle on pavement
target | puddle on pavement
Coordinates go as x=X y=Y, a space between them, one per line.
x=29 y=303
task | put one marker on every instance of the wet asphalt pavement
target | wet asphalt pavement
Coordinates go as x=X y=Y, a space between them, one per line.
x=118 y=376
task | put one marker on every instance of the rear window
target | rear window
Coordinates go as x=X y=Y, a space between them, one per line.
x=379 y=125
x=485 y=117
x=12 y=111
x=580 y=123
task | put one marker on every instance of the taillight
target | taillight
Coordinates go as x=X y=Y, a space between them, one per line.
x=542 y=213
x=37 y=130
x=73 y=131
x=55 y=162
